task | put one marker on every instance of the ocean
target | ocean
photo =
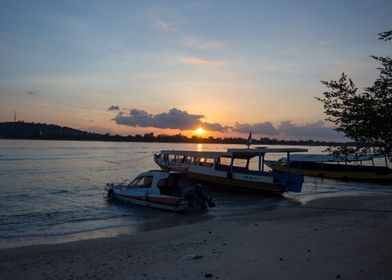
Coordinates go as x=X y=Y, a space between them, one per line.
x=52 y=191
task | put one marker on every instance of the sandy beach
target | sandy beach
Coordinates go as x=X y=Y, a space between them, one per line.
x=346 y=237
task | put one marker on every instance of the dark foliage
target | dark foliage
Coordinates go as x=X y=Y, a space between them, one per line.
x=365 y=117
x=22 y=130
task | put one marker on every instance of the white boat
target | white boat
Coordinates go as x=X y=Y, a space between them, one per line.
x=159 y=189
x=233 y=169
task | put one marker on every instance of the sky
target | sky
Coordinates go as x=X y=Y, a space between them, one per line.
x=171 y=67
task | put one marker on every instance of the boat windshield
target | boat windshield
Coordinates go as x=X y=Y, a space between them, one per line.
x=141 y=182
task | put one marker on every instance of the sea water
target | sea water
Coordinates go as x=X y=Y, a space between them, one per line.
x=52 y=191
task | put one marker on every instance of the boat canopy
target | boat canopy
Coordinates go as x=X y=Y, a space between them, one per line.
x=332 y=158
x=237 y=153
x=194 y=153
x=258 y=151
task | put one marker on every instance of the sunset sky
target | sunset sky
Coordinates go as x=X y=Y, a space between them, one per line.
x=132 y=67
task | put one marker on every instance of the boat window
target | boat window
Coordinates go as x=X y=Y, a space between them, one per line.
x=142 y=182
x=162 y=185
x=189 y=159
x=210 y=161
x=196 y=161
x=206 y=161
x=254 y=164
x=180 y=158
x=239 y=162
x=224 y=161
x=170 y=157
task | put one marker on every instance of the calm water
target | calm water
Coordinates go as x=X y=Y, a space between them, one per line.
x=55 y=189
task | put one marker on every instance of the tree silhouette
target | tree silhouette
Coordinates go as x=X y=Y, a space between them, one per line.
x=365 y=117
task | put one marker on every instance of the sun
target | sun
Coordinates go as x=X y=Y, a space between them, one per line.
x=199 y=131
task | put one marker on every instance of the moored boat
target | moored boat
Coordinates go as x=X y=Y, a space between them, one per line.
x=159 y=189
x=236 y=169
x=352 y=167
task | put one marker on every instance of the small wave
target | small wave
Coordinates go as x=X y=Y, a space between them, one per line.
x=67 y=229
x=59 y=192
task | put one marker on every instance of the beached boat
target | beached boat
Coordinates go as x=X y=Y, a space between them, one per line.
x=350 y=167
x=236 y=169
x=172 y=191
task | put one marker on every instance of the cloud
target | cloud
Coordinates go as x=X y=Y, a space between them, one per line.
x=202 y=45
x=263 y=128
x=214 y=127
x=317 y=129
x=163 y=25
x=199 y=61
x=182 y=120
x=114 y=108
x=30 y=93
x=174 y=119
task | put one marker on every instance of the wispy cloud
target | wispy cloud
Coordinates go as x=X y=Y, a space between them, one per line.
x=163 y=25
x=199 y=61
x=192 y=42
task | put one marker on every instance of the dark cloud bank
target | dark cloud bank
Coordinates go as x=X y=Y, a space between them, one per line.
x=175 y=119
x=182 y=120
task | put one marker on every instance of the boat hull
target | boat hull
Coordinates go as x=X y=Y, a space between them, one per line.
x=236 y=185
x=336 y=174
x=150 y=202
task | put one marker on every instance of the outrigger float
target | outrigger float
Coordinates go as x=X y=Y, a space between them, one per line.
x=171 y=191
x=236 y=169
x=351 y=167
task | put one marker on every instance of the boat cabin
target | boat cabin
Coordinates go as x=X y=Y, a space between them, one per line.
x=250 y=161
x=159 y=182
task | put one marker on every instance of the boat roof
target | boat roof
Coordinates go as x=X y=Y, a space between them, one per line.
x=238 y=153
x=159 y=173
x=332 y=158
x=193 y=153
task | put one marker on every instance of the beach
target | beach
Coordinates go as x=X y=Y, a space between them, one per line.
x=344 y=237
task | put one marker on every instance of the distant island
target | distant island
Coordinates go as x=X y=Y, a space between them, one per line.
x=41 y=131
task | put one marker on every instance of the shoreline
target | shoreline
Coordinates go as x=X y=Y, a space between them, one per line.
x=107 y=232
x=321 y=239
x=177 y=219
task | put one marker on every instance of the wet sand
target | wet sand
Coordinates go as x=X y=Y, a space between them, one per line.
x=348 y=237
